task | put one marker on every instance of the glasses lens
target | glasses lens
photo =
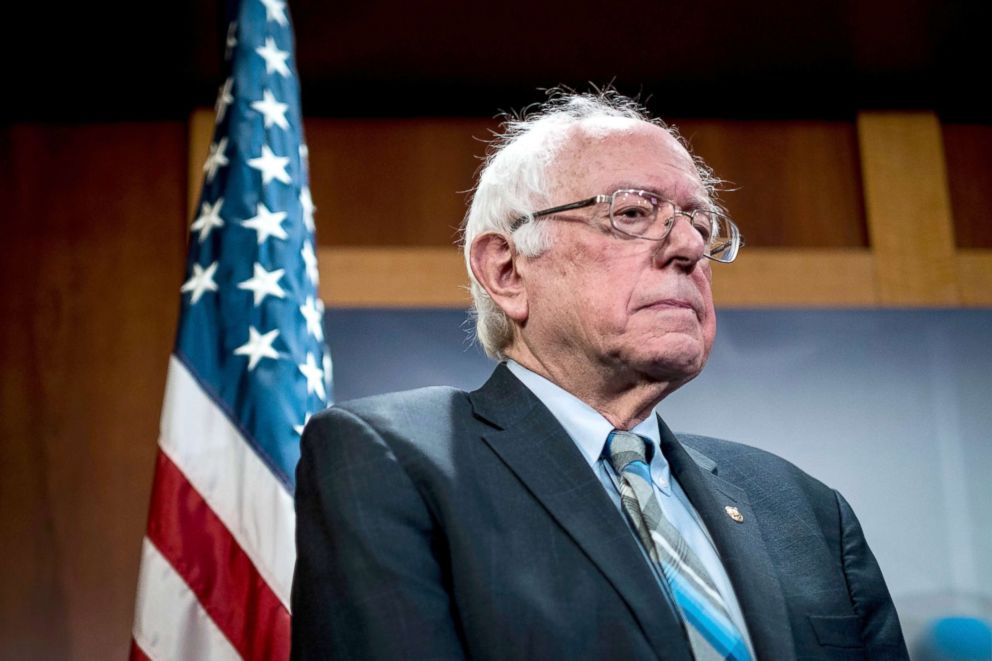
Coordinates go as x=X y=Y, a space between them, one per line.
x=634 y=213
x=642 y=214
x=722 y=237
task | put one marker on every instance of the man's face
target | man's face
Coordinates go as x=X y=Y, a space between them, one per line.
x=631 y=310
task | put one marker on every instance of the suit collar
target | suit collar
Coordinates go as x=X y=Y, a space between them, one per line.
x=741 y=546
x=502 y=400
x=705 y=463
x=535 y=447
x=587 y=427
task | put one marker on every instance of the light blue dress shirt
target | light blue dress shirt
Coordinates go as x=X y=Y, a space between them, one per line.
x=589 y=430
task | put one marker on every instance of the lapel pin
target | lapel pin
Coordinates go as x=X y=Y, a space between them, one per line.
x=734 y=513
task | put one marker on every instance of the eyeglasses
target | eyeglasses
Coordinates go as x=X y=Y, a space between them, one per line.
x=644 y=215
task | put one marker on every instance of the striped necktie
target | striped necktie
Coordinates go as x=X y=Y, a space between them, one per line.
x=712 y=634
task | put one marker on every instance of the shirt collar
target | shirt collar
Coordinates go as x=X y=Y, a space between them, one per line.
x=587 y=427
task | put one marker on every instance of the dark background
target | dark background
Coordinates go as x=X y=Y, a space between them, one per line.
x=705 y=58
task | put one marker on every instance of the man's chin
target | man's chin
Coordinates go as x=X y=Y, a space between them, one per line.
x=667 y=369
x=678 y=357
x=677 y=376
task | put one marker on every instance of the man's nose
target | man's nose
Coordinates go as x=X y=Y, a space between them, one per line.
x=684 y=244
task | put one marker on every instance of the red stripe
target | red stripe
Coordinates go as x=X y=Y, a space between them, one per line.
x=201 y=549
x=137 y=654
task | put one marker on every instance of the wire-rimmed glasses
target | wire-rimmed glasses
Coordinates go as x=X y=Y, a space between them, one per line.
x=642 y=214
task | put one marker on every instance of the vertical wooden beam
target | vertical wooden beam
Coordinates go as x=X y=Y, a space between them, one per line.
x=910 y=225
x=201 y=134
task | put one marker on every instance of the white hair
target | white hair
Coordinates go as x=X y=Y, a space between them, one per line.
x=514 y=182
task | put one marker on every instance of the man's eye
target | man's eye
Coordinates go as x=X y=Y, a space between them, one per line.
x=703 y=224
x=632 y=213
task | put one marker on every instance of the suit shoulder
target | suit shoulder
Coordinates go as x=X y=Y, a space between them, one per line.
x=412 y=421
x=405 y=406
x=771 y=480
x=721 y=450
x=737 y=461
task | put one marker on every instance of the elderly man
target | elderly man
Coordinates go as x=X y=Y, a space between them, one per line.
x=551 y=514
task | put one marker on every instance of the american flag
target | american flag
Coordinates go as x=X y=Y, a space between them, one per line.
x=248 y=368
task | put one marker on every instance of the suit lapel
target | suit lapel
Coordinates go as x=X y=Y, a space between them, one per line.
x=740 y=545
x=529 y=440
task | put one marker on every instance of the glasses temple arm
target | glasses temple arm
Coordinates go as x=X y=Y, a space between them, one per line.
x=588 y=202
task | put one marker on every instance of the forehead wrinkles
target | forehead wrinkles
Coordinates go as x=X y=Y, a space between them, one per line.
x=625 y=153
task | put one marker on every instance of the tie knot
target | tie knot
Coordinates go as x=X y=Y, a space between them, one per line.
x=625 y=448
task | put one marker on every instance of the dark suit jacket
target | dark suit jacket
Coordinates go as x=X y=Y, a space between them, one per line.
x=442 y=524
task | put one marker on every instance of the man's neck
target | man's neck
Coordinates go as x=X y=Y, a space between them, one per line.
x=624 y=400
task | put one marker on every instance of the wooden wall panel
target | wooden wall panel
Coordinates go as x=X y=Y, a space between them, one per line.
x=92 y=258
x=769 y=277
x=798 y=183
x=968 y=150
x=402 y=182
x=435 y=277
x=201 y=134
x=393 y=276
x=974 y=269
x=909 y=210
x=392 y=182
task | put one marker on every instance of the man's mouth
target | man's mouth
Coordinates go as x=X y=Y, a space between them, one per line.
x=669 y=303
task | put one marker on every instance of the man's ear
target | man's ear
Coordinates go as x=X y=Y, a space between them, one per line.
x=493 y=261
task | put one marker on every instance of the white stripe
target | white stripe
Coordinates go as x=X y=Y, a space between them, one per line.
x=240 y=489
x=169 y=622
x=686 y=570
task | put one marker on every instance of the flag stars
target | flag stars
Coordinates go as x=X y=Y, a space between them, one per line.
x=310 y=261
x=200 y=282
x=273 y=112
x=275 y=59
x=271 y=166
x=258 y=346
x=275 y=10
x=208 y=219
x=216 y=159
x=314 y=376
x=313 y=316
x=264 y=283
x=266 y=223
x=306 y=201
x=224 y=99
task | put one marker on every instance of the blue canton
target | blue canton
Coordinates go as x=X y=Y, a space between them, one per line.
x=250 y=329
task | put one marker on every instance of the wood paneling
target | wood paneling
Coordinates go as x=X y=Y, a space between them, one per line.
x=201 y=133
x=404 y=182
x=908 y=206
x=968 y=149
x=393 y=277
x=794 y=184
x=764 y=277
x=974 y=269
x=436 y=277
x=91 y=260
x=392 y=182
